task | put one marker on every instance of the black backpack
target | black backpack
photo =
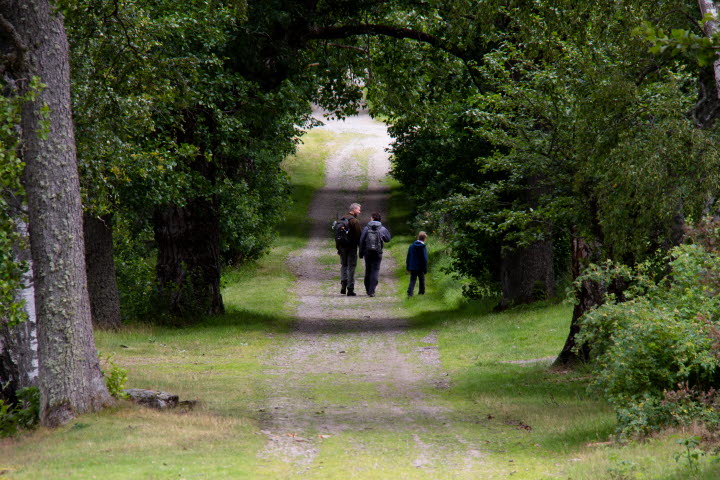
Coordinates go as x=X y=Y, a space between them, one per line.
x=373 y=242
x=341 y=231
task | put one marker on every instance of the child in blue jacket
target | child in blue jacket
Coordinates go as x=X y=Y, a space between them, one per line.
x=417 y=264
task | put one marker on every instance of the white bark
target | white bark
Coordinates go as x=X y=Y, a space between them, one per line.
x=18 y=343
x=27 y=293
x=711 y=27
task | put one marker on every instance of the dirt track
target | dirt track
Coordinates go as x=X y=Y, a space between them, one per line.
x=349 y=366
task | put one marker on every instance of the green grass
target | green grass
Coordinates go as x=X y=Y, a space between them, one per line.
x=307 y=174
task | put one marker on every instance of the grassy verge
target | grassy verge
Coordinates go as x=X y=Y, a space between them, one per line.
x=216 y=361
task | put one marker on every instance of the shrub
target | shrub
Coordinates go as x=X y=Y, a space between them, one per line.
x=114 y=375
x=24 y=414
x=656 y=355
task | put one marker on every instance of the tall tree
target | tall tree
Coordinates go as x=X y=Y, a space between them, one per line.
x=100 y=268
x=70 y=378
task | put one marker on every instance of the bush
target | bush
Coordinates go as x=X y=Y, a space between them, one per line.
x=24 y=414
x=114 y=375
x=657 y=353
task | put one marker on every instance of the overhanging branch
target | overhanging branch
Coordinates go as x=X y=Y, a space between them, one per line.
x=345 y=31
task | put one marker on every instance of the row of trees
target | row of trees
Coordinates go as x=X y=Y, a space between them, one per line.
x=536 y=137
x=558 y=139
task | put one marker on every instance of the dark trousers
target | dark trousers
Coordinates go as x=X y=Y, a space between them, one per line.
x=372 y=271
x=348 y=261
x=414 y=275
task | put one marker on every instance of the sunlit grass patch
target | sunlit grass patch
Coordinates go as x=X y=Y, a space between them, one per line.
x=343 y=390
x=134 y=442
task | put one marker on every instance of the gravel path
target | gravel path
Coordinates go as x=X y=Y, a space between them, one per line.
x=349 y=365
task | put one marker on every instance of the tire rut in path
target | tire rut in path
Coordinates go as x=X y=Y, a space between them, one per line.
x=345 y=367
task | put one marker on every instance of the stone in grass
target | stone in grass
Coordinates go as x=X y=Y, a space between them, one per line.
x=156 y=399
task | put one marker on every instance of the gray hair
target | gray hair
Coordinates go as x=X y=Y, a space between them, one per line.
x=353 y=206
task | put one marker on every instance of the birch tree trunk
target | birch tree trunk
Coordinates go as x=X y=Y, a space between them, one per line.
x=708 y=7
x=70 y=379
x=18 y=343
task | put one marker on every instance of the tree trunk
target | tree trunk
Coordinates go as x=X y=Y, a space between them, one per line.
x=711 y=27
x=527 y=274
x=18 y=343
x=589 y=295
x=188 y=265
x=100 y=268
x=69 y=371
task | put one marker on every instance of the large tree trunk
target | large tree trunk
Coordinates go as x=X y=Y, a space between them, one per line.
x=588 y=296
x=100 y=268
x=188 y=265
x=18 y=343
x=527 y=274
x=70 y=377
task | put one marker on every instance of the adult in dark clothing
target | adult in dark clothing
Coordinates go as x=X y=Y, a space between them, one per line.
x=373 y=236
x=417 y=264
x=348 y=254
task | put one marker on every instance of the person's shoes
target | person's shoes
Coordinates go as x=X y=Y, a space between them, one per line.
x=343 y=288
x=421 y=293
x=371 y=294
x=351 y=292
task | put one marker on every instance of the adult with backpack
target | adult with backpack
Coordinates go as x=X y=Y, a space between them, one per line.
x=372 y=239
x=347 y=237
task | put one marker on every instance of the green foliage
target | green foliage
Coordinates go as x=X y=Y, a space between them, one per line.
x=560 y=122
x=134 y=268
x=678 y=41
x=656 y=352
x=170 y=108
x=114 y=375
x=623 y=470
x=691 y=455
x=11 y=200
x=24 y=414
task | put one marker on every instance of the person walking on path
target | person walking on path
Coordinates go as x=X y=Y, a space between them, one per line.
x=417 y=264
x=347 y=247
x=372 y=239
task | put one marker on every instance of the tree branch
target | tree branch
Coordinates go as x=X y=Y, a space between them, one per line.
x=20 y=48
x=345 y=31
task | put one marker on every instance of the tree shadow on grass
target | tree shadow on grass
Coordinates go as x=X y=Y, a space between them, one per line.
x=247 y=320
x=481 y=311
x=553 y=407
x=238 y=319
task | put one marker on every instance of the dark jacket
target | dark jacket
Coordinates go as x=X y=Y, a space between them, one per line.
x=417 y=257
x=384 y=235
x=355 y=230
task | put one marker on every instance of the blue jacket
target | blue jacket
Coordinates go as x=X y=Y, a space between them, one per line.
x=384 y=235
x=417 y=257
